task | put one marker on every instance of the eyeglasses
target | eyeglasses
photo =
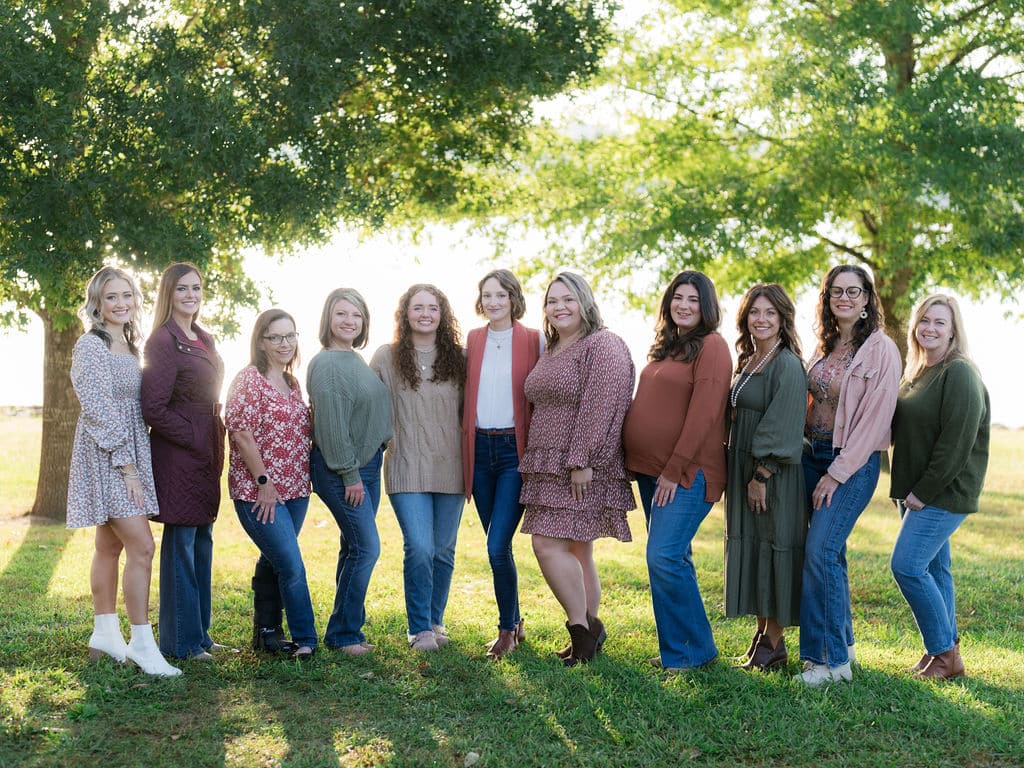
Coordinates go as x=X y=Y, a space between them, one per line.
x=277 y=339
x=852 y=292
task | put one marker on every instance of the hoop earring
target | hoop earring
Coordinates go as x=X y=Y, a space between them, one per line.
x=863 y=314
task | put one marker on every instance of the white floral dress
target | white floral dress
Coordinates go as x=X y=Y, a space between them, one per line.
x=110 y=433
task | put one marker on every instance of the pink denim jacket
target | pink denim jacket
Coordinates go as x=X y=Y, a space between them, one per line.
x=867 y=400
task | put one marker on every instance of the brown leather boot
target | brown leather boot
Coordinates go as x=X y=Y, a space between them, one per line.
x=596 y=627
x=741 y=660
x=506 y=643
x=921 y=664
x=584 y=645
x=945 y=666
x=766 y=658
x=923 y=661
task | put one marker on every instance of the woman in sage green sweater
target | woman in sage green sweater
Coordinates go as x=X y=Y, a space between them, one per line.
x=940 y=453
x=351 y=424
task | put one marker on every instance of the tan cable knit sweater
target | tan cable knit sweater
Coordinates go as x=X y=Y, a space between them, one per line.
x=425 y=454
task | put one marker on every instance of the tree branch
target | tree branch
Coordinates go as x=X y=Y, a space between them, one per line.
x=869 y=222
x=971 y=12
x=972 y=45
x=844 y=248
x=686 y=108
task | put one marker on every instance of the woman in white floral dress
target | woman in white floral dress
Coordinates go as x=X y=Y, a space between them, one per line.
x=110 y=485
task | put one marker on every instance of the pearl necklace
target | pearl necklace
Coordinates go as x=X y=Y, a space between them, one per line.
x=742 y=382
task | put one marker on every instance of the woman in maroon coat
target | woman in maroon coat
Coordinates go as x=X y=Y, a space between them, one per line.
x=181 y=384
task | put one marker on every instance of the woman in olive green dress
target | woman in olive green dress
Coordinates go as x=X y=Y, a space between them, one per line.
x=766 y=511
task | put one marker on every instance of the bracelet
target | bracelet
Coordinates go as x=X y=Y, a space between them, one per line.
x=127 y=476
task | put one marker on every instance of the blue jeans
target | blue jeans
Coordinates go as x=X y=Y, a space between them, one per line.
x=186 y=565
x=358 y=549
x=921 y=565
x=496 y=484
x=278 y=543
x=430 y=526
x=684 y=633
x=826 y=624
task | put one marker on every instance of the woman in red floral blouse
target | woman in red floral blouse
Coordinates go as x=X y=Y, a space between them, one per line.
x=268 y=478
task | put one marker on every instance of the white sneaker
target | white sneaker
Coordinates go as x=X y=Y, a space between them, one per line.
x=424 y=641
x=143 y=652
x=851 y=654
x=815 y=675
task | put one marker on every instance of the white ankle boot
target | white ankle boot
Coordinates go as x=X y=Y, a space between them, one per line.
x=143 y=651
x=106 y=638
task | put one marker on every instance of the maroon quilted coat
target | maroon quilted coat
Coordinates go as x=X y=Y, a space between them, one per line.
x=181 y=385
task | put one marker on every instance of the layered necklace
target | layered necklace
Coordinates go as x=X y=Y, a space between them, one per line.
x=744 y=376
x=830 y=367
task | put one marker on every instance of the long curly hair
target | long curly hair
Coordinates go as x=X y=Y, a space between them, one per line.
x=258 y=355
x=668 y=342
x=779 y=299
x=450 y=362
x=827 y=325
x=91 y=311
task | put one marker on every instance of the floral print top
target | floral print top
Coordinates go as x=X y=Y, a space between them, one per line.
x=280 y=425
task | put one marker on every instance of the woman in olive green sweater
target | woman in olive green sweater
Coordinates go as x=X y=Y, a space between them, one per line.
x=940 y=453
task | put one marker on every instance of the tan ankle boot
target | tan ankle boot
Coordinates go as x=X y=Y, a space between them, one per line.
x=945 y=666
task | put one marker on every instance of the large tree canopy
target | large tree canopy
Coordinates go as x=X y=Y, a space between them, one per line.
x=767 y=139
x=152 y=131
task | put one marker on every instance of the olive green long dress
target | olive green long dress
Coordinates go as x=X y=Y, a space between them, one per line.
x=764 y=554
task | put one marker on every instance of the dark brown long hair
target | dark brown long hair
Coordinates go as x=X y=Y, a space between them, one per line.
x=779 y=299
x=165 y=292
x=828 y=326
x=258 y=356
x=450 y=362
x=668 y=342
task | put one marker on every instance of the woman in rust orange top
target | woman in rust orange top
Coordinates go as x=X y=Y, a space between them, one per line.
x=674 y=445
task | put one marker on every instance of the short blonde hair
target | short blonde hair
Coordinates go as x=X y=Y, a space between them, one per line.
x=352 y=296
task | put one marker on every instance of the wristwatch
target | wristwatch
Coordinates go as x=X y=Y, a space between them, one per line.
x=760 y=476
x=262 y=480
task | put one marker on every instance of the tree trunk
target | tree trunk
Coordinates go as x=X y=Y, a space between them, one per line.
x=60 y=415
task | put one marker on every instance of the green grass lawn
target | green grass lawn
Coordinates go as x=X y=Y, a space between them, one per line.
x=455 y=708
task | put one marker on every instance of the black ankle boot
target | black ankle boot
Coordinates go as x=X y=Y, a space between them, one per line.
x=272 y=640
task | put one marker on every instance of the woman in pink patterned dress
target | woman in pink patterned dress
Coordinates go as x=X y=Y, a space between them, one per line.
x=110 y=485
x=575 y=485
x=268 y=478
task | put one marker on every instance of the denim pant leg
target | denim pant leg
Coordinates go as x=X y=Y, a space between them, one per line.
x=204 y=577
x=414 y=512
x=278 y=542
x=815 y=463
x=496 y=486
x=357 y=556
x=181 y=625
x=825 y=601
x=920 y=565
x=447 y=515
x=684 y=632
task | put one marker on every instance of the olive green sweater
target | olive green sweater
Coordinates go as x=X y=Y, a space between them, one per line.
x=940 y=437
x=351 y=411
